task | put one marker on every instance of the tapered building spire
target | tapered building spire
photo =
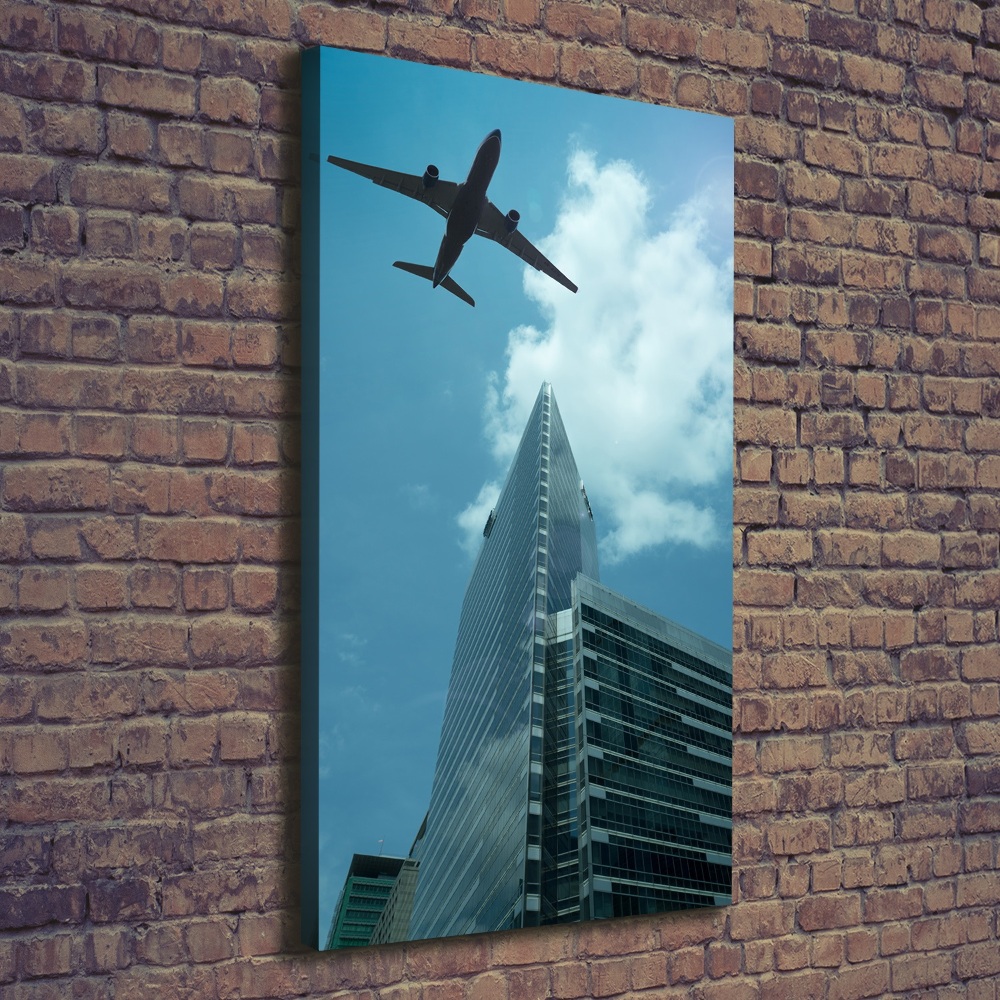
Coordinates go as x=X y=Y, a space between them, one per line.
x=480 y=867
x=585 y=763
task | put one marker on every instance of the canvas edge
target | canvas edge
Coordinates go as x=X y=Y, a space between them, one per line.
x=310 y=305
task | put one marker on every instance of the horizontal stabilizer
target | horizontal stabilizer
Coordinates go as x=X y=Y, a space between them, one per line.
x=423 y=271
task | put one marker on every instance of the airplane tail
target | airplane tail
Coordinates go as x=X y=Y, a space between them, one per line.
x=423 y=271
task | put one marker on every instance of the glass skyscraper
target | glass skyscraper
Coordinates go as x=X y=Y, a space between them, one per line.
x=481 y=861
x=367 y=889
x=584 y=767
x=653 y=749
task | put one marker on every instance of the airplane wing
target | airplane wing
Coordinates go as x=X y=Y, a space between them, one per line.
x=440 y=195
x=493 y=227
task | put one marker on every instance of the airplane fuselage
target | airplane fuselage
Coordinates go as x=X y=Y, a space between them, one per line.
x=468 y=206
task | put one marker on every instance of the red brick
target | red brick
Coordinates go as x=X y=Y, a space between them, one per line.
x=38 y=906
x=182 y=145
x=143 y=742
x=242 y=736
x=110 y=234
x=154 y=438
x=359 y=29
x=911 y=548
x=193 y=741
x=46 y=956
x=264 y=935
x=255 y=589
x=120 y=187
x=659 y=35
x=795 y=670
x=47 y=77
x=210 y=940
x=229 y=639
x=942 y=780
x=582 y=22
x=598 y=69
x=979 y=960
x=256 y=345
x=193 y=294
x=255 y=444
x=791 y=754
x=258 y=297
x=91 y=34
x=693 y=90
x=26 y=26
x=42 y=434
x=197 y=541
x=804 y=62
x=154 y=587
x=101 y=588
x=844 y=547
x=722 y=959
x=205 y=590
x=51 y=486
x=448 y=46
x=111 y=286
x=685 y=965
x=229 y=152
x=118 y=900
x=28 y=281
x=764 y=589
x=751 y=921
x=791 y=837
x=135 y=640
x=753 y=258
x=147 y=90
x=130 y=136
x=742 y=49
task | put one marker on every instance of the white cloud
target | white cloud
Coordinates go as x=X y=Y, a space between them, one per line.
x=472 y=520
x=640 y=359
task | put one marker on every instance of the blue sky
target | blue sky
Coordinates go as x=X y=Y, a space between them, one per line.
x=424 y=398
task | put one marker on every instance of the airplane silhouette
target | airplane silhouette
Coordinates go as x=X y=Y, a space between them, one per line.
x=467 y=210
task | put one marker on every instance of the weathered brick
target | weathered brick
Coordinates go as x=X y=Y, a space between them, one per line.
x=825 y=912
x=449 y=46
x=659 y=35
x=582 y=22
x=599 y=69
x=751 y=921
x=182 y=145
x=47 y=76
x=810 y=64
x=185 y=541
x=897 y=403
x=38 y=906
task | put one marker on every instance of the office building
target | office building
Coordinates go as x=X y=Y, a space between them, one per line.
x=369 y=884
x=394 y=921
x=652 y=708
x=584 y=767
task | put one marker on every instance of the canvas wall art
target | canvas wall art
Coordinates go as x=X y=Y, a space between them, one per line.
x=517 y=504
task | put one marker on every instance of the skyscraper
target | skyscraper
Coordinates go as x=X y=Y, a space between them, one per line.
x=370 y=882
x=653 y=751
x=584 y=767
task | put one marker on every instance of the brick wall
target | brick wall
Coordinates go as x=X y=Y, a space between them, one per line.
x=148 y=494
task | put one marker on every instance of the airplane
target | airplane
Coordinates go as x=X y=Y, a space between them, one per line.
x=467 y=210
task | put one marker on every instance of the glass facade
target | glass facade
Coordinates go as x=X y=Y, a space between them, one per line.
x=480 y=866
x=369 y=884
x=654 y=724
x=585 y=762
x=394 y=922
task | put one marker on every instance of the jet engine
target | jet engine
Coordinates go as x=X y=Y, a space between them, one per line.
x=511 y=219
x=431 y=175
